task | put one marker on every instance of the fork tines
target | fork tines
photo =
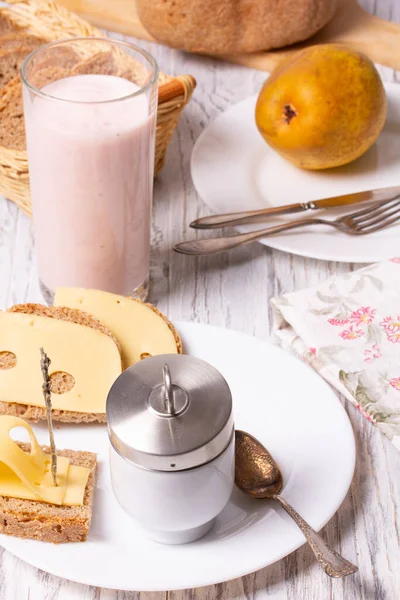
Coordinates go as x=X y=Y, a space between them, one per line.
x=374 y=217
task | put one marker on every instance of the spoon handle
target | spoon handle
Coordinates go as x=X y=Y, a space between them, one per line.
x=332 y=563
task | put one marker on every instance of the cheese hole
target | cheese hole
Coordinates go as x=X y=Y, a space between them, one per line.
x=118 y=301
x=36 y=483
x=20 y=434
x=61 y=382
x=144 y=355
x=8 y=360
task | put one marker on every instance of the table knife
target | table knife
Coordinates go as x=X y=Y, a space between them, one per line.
x=257 y=216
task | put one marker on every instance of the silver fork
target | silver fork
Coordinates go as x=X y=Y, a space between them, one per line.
x=374 y=218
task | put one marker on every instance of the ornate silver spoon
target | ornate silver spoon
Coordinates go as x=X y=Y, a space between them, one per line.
x=258 y=475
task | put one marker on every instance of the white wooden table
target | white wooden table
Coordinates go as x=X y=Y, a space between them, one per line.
x=232 y=291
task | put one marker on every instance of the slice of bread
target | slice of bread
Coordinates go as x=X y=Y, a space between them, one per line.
x=59 y=383
x=11 y=60
x=46 y=522
x=12 y=130
x=100 y=63
x=56 y=66
x=52 y=64
x=17 y=39
x=6 y=24
x=113 y=62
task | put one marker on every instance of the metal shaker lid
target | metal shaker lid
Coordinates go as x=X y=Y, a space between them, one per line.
x=169 y=413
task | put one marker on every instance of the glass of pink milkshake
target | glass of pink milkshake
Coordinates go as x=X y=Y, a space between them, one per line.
x=90 y=117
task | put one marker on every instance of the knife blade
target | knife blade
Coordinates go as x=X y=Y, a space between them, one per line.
x=257 y=216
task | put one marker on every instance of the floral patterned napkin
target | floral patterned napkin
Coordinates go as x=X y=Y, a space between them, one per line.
x=348 y=330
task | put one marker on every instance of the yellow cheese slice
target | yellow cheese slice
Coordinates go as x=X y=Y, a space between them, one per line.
x=27 y=475
x=138 y=329
x=91 y=357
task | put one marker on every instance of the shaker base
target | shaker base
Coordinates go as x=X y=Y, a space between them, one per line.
x=179 y=537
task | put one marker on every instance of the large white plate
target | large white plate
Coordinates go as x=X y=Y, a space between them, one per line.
x=276 y=398
x=233 y=169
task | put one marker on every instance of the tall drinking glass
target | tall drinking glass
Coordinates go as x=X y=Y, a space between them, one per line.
x=90 y=116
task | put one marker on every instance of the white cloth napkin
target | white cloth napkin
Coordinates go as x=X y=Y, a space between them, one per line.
x=348 y=330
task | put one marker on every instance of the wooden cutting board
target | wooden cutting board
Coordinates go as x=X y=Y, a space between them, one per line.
x=352 y=25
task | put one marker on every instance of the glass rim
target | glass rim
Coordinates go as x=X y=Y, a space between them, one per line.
x=66 y=41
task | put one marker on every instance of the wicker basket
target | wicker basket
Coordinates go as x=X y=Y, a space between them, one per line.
x=50 y=22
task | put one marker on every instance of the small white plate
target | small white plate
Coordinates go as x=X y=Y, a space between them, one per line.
x=276 y=398
x=233 y=169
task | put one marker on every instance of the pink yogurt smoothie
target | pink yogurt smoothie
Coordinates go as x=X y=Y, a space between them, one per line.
x=91 y=176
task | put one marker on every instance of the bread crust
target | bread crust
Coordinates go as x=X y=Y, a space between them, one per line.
x=46 y=522
x=226 y=27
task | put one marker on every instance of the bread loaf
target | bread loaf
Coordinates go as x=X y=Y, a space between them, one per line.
x=233 y=26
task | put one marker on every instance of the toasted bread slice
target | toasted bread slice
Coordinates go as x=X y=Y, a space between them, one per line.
x=60 y=383
x=46 y=522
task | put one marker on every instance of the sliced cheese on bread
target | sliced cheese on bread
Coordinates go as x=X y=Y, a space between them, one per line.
x=30 y=506
x=27 y=475
x=140 y=328
x=88 y=355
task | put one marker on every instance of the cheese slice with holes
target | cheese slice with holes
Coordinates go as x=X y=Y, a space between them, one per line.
x=27 y=475
x=137 y=327
x=91 y=357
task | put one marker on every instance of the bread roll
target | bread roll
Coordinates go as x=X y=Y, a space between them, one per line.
x=233 y=26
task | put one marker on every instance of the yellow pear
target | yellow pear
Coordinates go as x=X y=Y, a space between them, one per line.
x=323 y=107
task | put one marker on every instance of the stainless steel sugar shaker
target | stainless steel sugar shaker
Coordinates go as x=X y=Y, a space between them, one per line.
x=171 y=435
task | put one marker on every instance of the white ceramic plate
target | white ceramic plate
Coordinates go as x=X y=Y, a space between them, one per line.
x=233 y=169
x=276 y=398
